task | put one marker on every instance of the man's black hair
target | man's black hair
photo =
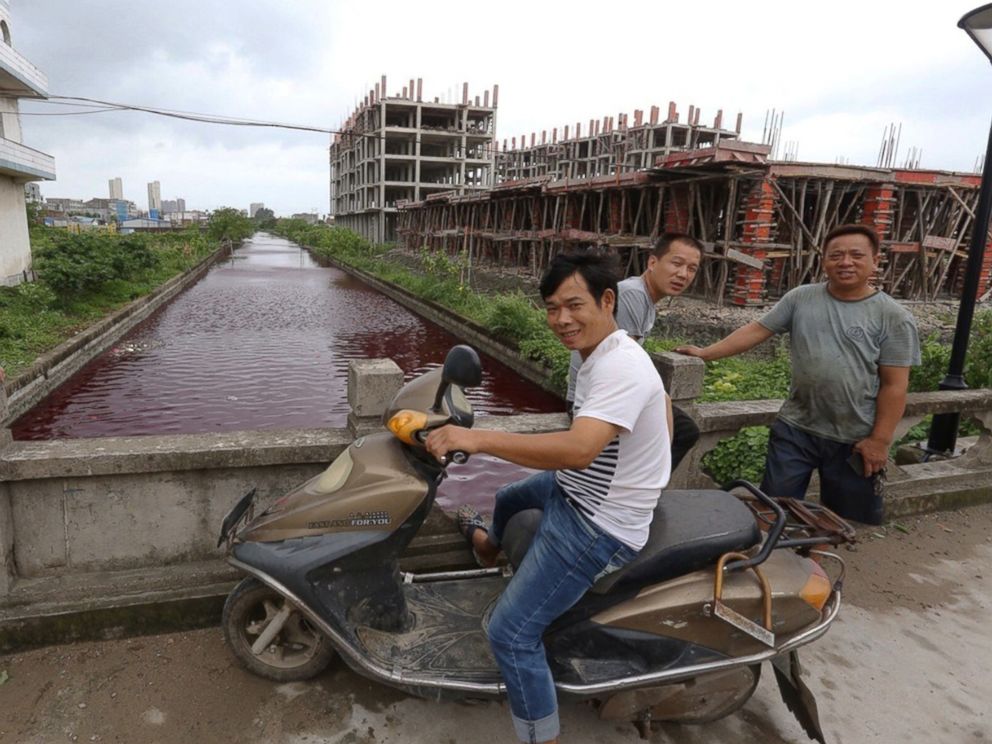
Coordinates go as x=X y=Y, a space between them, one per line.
x=664 y=243
x=601 y=272
x=842 y=230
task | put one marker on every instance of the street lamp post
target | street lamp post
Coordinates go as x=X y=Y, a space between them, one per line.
x=944 y=429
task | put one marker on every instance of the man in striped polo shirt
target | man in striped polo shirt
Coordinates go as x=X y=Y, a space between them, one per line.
x=598 y=487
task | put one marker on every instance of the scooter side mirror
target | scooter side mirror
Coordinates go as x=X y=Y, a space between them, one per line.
x=462 y=367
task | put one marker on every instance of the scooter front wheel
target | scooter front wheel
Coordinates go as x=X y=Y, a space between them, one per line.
x=270 y=637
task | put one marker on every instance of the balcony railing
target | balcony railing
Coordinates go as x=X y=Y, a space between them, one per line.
x=24 y=163
x=18 y=76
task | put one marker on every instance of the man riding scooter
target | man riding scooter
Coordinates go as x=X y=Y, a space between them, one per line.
x=598 y=488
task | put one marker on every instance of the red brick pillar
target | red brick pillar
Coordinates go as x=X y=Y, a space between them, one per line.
x=759 y=214
x=615 y=197
x=876 y=209
x=677 y=210
x=876 y=213
x=985 y=277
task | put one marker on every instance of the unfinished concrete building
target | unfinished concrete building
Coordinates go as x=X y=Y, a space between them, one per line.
x=762 y=222
x=401 y=148
x=610 y=146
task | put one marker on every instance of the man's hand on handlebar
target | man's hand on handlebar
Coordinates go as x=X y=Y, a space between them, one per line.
x=450 y=438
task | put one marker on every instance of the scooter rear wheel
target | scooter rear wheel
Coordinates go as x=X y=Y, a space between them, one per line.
x=297 y=652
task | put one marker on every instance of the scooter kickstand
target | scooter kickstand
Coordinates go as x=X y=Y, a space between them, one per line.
x=643 y=724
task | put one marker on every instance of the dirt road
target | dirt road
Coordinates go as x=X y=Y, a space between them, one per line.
x=908 y=661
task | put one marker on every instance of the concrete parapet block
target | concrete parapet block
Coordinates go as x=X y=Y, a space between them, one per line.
x=682 y=376
x=372 y=385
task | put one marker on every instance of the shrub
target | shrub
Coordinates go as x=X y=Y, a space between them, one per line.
x=71 y=263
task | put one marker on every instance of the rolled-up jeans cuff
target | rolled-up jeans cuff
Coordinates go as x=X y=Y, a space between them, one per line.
x=543 y=729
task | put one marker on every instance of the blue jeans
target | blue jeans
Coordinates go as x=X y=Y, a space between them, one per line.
x=568 y=555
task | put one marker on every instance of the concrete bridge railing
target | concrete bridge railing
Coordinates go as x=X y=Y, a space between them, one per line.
x=910 y=488
x=91 y=526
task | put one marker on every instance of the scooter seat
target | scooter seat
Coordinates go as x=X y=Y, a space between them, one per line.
x=690 y=530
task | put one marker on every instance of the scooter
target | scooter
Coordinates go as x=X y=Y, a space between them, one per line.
x=725 y=583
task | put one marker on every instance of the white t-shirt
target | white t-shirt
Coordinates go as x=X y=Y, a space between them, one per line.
x=619 y=490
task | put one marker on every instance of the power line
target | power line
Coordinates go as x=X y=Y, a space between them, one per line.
x=97 y=106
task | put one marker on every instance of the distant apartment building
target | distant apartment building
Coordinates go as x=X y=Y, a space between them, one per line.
x=254 y=207
x=154 y=197
x=401 y=148
x=103 y=209
x=311 y=218
x=186 y=219
x=18 y=164
x=32 y=194
x=171 y=206
x=116 y=188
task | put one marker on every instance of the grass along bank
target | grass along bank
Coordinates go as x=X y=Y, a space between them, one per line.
x=82 y=277
x=520 y=323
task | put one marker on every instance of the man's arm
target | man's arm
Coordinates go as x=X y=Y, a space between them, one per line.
x=890 y=405
x=575 y=448
x=744 y=338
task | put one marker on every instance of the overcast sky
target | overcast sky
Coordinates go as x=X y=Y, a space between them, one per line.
x=840 y=70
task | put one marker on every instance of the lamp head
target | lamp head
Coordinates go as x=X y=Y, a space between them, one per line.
x=977 y=24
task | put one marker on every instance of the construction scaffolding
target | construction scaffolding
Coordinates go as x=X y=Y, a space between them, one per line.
x=762 y=222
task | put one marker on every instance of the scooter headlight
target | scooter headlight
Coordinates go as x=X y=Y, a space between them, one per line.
x=405 y=424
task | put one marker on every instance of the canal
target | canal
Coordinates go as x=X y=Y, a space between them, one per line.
x=263 y=341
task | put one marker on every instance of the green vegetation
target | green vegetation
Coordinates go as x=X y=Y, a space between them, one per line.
x=82 y=277
x=229 y=225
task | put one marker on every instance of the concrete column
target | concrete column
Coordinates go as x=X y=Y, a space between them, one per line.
x=372 y=385
x=683 y=379
x=682 y=376
x=416 y=149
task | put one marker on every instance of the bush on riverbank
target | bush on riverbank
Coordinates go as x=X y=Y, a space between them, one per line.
x=82 y=277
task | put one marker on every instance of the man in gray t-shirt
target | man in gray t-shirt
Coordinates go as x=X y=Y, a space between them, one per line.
x=672 y=266
x=852 y=348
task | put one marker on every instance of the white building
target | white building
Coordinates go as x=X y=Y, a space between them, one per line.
x=155 y=197
x=116 y=188
x=18 y=164
x=254 y=207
